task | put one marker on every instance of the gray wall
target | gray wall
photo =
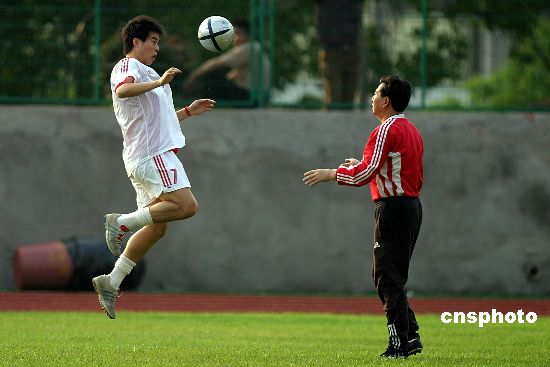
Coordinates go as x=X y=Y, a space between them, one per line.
x=486 y=199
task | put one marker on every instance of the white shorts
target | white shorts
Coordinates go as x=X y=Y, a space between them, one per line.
x=160 y=174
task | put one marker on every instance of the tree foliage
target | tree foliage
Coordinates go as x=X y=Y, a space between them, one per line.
x=523 y=81
x=513 y=16
x=446 y=50
x=293 y=19
x=46 y=49
x=50 y=49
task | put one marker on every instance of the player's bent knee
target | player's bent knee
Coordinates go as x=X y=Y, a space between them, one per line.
x=186 y=204
x=189 y=209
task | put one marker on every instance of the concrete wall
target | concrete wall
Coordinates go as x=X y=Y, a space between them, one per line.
x=486 y=199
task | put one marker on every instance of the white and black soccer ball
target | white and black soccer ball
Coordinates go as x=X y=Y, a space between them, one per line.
x=215 y=33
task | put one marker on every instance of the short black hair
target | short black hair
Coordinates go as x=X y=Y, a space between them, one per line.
x=139 y=27
x=399 y=90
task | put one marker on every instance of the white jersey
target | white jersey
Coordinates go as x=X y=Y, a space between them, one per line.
x=148 y=122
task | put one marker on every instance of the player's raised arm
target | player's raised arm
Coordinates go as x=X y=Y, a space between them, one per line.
x=130 y=89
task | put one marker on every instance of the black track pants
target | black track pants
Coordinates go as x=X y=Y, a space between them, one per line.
x=396 y=228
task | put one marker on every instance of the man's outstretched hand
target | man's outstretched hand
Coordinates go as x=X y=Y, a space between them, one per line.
x=319 y=175
x=201 y=105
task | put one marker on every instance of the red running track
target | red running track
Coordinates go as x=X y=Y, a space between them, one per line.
x=168 y=302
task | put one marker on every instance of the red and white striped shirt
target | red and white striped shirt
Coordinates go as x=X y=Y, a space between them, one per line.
x=392 y=161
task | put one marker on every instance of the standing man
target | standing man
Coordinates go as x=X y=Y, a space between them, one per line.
x=392 y=165
x=338 y=25
x=150 y=125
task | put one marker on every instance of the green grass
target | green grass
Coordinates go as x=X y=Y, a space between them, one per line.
x=254 y=339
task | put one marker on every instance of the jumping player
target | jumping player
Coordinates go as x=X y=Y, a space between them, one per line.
x=392 y=165
x=144 y=109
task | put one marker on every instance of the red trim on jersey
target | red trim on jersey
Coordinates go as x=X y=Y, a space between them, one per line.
x=129 y=79
x=124 y=65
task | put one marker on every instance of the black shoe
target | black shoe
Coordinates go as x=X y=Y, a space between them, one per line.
x=393 y=352
x=414 y=346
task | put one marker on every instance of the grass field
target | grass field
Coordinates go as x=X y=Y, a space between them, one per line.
x=256 y=339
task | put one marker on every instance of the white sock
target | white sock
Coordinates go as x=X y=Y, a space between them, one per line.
x=123 y=267
x=136 y=220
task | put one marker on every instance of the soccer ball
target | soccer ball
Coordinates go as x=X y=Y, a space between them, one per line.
x=215 y=33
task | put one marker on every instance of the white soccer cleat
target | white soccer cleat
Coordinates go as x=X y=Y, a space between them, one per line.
x=114 y=233
x=106 y=295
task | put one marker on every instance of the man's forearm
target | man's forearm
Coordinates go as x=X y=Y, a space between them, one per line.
x=136 y=89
